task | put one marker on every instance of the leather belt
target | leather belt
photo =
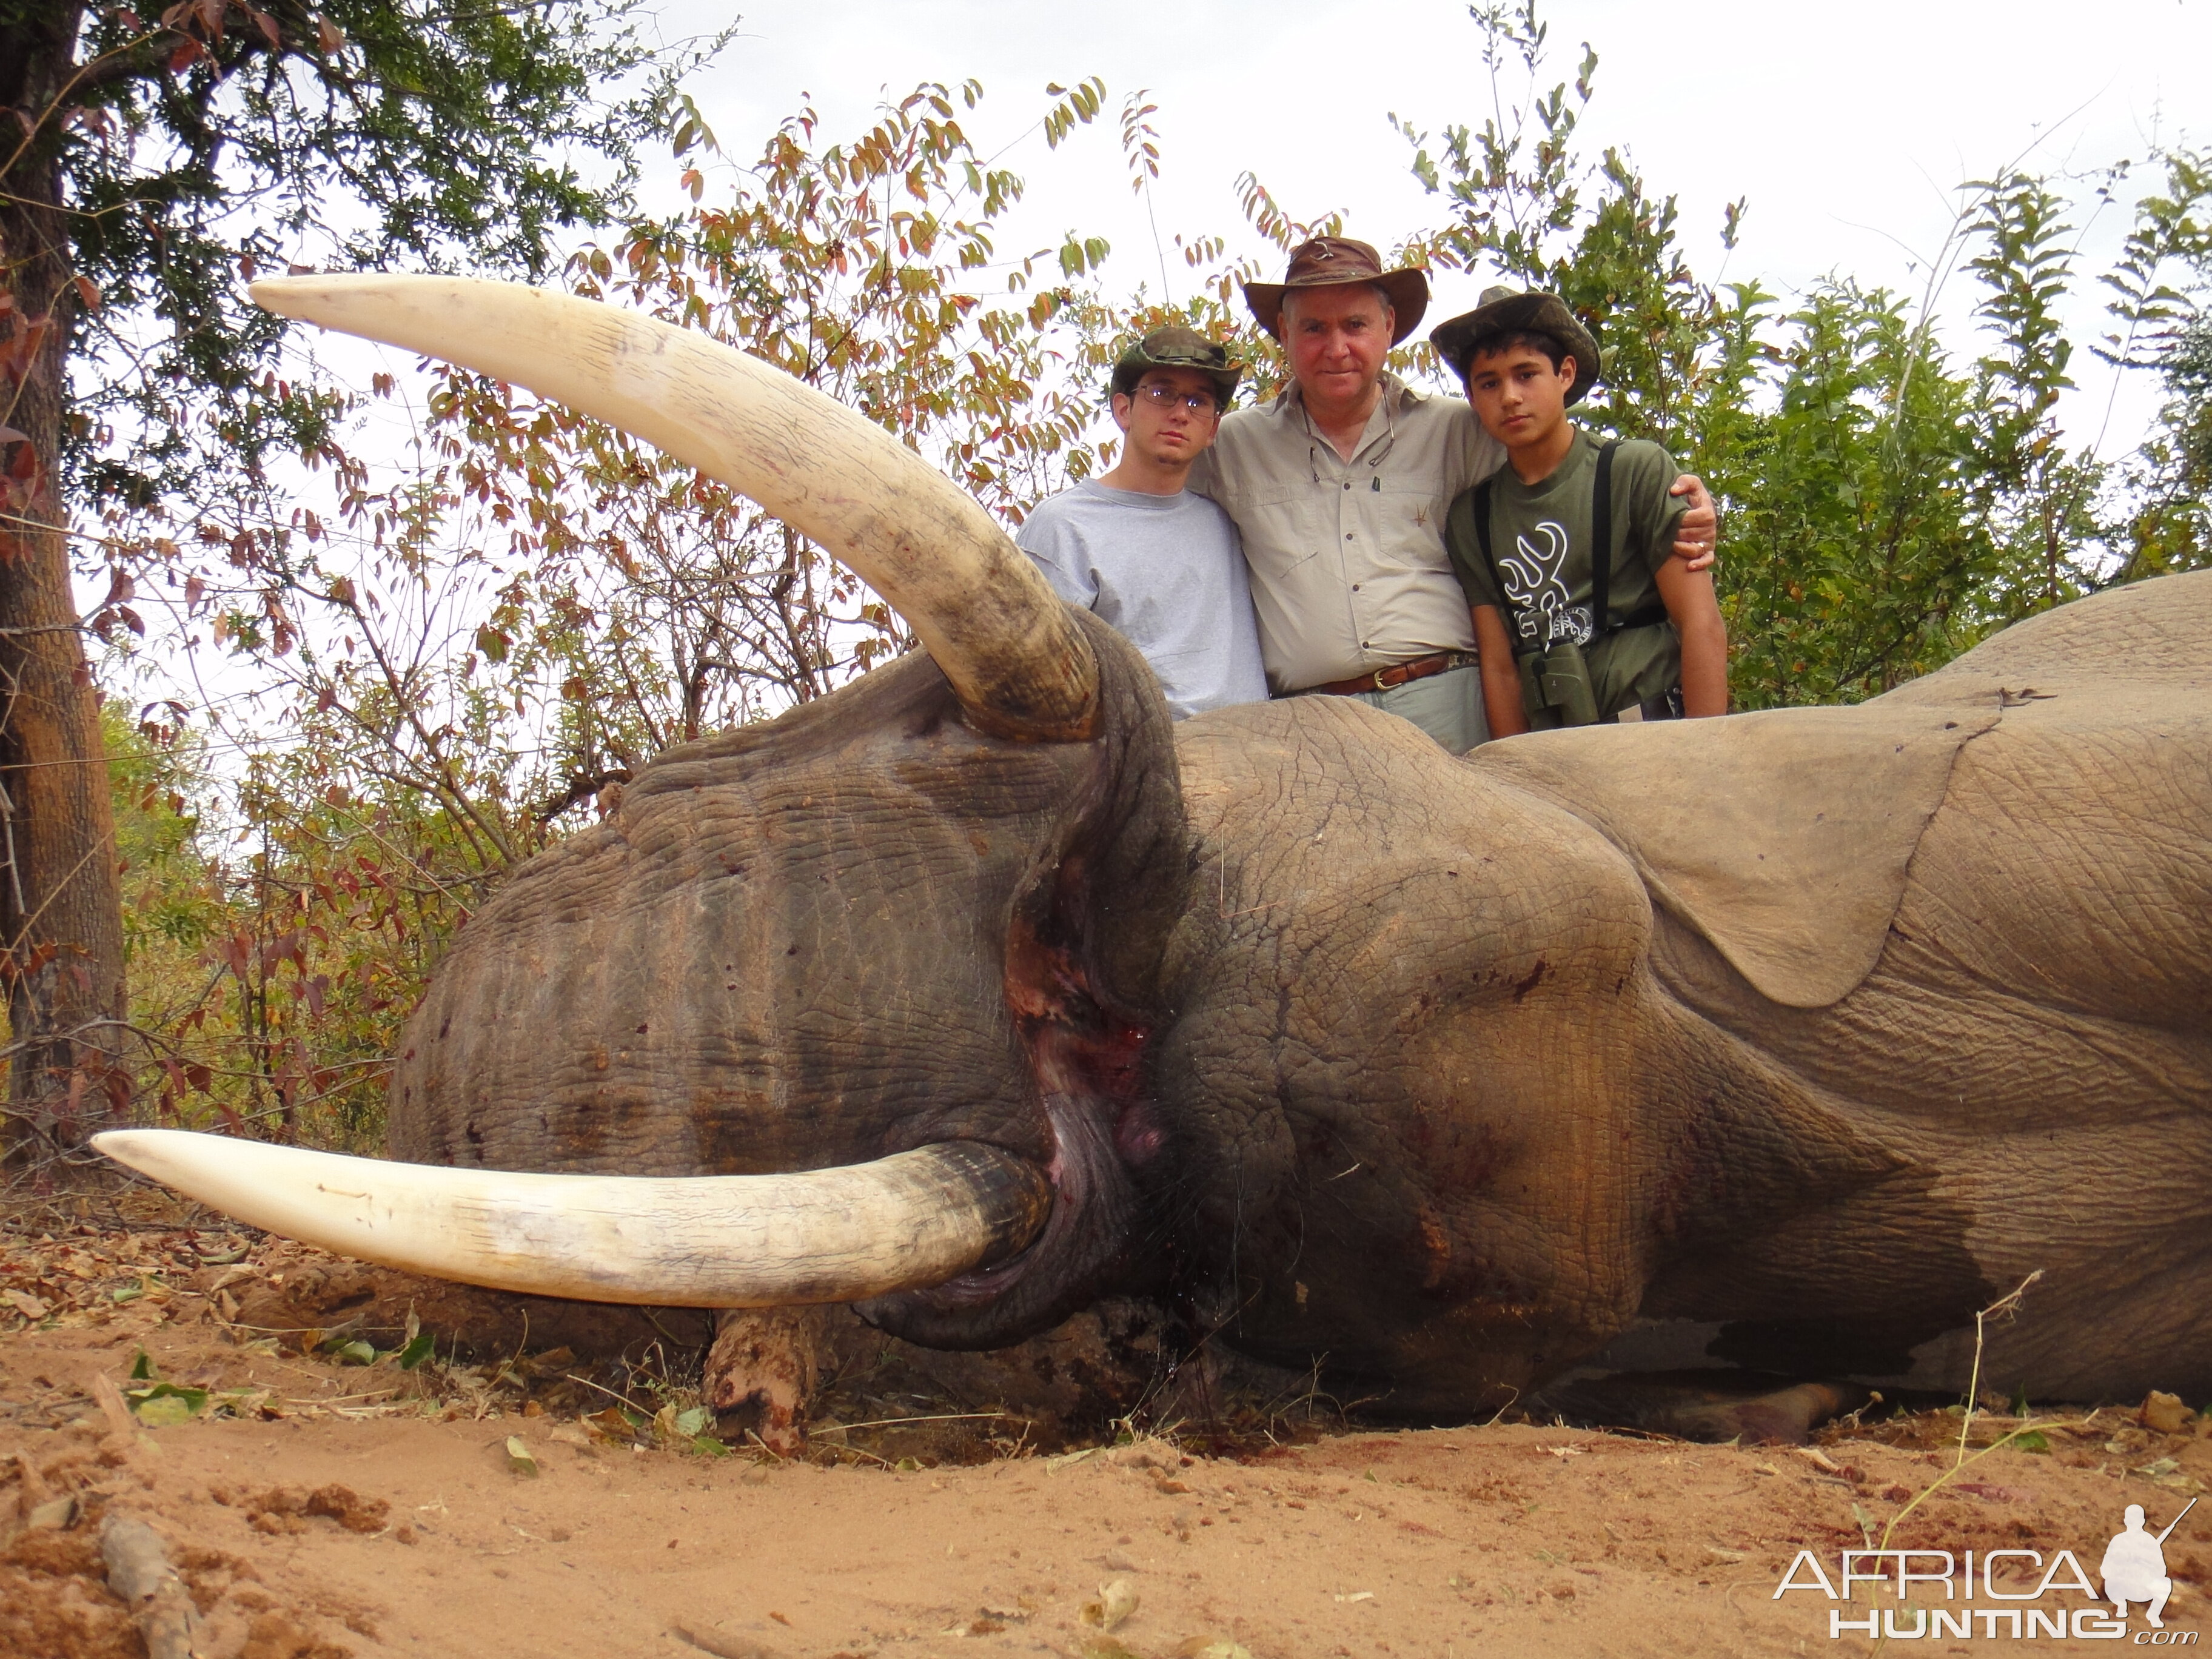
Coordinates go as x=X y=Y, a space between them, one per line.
x=1398 y=674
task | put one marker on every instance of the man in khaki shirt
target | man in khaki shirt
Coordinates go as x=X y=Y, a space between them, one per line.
x=1340 y=486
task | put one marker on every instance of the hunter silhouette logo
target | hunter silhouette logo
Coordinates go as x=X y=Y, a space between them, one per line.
x=2133 y=1568
x=1539 y=597
x=2017 y=1581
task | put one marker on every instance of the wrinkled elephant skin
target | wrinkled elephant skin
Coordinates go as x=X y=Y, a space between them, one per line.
x=1807 y=1033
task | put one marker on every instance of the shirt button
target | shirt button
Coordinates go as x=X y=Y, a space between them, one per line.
x=1355 y=588
x=1347 y=483
x=1364 y=646
x=1348 y=536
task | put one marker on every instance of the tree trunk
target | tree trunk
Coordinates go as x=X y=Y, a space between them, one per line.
x=61 y=921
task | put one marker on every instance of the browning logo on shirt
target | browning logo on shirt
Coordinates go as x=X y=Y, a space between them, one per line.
x=1538 y=596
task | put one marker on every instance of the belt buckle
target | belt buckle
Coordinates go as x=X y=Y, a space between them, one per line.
x=1377 y=678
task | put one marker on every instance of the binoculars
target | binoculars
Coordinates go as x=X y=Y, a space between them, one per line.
x=1556 y=688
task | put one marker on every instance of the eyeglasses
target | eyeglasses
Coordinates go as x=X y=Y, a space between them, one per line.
x=1163 y=396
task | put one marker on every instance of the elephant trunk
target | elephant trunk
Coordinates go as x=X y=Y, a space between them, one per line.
x=907 y=1222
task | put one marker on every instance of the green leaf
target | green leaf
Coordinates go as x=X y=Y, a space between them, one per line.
x=693 y=1422
x=421 y=1346
x=357 y=1352
x=2033 y=1441
x=166 y=1404
x=141 y=1368
x=520 y=1460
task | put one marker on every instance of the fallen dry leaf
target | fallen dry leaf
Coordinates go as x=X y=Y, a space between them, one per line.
x=31 y=1307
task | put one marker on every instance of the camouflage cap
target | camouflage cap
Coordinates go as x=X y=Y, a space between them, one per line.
x=1503 y=311
x=1177 y=347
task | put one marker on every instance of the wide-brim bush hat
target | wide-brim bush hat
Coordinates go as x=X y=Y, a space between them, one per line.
x=1332 y=262
x=1177 y=347
x=1504 y=311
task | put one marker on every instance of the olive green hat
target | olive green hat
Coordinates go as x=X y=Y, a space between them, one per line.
x=1177 y=347
x=1505 y=312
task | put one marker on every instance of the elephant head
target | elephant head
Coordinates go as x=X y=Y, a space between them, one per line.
x=873 y=982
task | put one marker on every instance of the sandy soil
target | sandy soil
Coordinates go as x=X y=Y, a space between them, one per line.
x=316 y=1507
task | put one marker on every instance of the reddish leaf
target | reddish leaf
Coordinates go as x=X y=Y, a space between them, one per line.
x=24 y=346
x=189 y=52
x=89 y=291
x=212 y=13
x=326 y=32
x=270 y=31
x=236 y=952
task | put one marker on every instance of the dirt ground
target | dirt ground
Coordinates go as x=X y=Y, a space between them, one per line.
x=320 y=1498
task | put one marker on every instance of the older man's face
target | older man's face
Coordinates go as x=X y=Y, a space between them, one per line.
x=1338 y=338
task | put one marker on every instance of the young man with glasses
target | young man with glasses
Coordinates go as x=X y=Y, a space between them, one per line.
x=1160 y=564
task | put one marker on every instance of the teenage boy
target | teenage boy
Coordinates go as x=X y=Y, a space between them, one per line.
x=1580 y=614
x=1160 y=564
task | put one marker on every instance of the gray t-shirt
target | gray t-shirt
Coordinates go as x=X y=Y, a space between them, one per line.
x=1167 y=573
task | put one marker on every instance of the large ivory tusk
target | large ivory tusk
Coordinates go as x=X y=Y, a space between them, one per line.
x=901 y=1223
x=990 y=620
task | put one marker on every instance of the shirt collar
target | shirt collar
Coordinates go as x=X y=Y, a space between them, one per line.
x=1291 y=397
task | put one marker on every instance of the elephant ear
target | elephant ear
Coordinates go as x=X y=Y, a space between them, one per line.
x=1783 y=838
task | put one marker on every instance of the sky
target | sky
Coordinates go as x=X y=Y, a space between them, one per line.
x=1847 y=128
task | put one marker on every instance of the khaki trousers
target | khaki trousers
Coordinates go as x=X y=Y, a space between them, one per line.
x=1447 y=706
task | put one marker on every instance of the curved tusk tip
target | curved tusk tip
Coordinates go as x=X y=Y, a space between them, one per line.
x=130 y=1146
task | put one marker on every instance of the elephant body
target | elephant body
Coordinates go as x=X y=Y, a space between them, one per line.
x=1802 y=1035
x=1810 y=1033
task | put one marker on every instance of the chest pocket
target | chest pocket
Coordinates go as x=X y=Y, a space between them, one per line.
x=1411 y=527
x=1284 y=529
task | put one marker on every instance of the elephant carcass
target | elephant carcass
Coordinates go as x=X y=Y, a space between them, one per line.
x=1809 y=1032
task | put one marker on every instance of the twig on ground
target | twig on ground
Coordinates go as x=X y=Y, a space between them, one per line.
x=139 y=1573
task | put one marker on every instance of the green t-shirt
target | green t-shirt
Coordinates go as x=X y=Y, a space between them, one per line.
x=1540 y=534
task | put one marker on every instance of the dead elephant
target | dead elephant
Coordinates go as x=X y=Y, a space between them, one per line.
x=976 y=992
